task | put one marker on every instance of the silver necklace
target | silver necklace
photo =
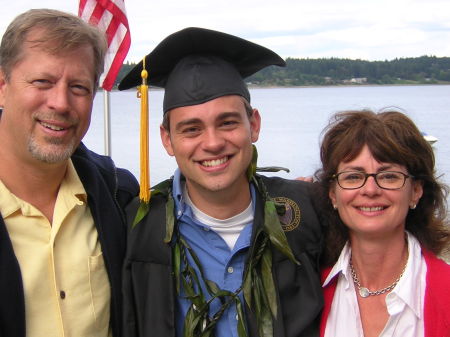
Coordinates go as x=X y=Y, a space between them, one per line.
x=364 y=292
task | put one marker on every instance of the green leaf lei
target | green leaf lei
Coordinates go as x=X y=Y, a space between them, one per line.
x=258 y=285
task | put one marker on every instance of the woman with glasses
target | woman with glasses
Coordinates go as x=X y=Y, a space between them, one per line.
x=386 y=217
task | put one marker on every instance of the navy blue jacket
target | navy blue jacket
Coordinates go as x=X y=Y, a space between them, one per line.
x=109 y=189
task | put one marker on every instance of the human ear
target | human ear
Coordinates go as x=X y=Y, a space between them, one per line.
x=255 y=125
x=165 y=139
x=417 y=192
x=332 y=196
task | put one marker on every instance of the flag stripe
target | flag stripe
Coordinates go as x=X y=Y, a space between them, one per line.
x=81 y=6
x=117 y=8
x=122 y=49
x=113 y=29
x=110 y=17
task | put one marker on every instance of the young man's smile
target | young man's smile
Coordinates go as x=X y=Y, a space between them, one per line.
x=212 y=143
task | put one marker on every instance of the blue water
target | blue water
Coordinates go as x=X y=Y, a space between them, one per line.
x=292 y=121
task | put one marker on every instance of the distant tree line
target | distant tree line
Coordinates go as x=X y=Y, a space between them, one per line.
x=336 y=71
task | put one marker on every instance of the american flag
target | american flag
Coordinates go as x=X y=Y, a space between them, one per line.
x=111 y=18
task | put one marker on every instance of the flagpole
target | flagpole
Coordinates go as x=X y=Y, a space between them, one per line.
x=107 y=122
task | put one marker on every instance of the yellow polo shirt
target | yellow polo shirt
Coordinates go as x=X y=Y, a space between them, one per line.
x=67 y=291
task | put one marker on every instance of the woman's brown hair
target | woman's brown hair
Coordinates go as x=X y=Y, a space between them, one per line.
x=391 y=137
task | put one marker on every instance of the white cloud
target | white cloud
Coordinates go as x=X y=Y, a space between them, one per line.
x=367 y=29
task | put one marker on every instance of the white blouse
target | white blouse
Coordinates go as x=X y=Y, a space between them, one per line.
x=404 y=303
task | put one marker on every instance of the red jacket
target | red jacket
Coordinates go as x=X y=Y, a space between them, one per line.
x=437 y=297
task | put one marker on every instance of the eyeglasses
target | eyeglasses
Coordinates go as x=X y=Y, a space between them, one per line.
x=388 y=180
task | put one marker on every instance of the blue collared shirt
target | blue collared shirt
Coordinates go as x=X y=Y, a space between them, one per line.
x=221 y=265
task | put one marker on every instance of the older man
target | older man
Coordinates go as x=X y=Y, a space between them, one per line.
x=62 y=226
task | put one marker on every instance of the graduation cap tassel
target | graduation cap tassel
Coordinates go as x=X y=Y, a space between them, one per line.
x=144 y=193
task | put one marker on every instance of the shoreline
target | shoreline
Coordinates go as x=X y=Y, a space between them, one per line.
x=253 y=86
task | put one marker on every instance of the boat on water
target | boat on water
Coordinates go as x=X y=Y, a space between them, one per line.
x=429 y=138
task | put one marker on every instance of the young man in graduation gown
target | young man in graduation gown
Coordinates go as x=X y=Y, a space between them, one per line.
x=219 y=250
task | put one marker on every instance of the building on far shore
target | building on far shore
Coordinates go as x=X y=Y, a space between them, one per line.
x=356 y=80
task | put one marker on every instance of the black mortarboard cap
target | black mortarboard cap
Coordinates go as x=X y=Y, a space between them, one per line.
x=195 y=65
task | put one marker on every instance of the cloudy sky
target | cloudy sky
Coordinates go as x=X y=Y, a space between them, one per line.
x=357 y=29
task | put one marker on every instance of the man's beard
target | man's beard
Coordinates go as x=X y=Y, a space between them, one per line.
x=53 y=151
